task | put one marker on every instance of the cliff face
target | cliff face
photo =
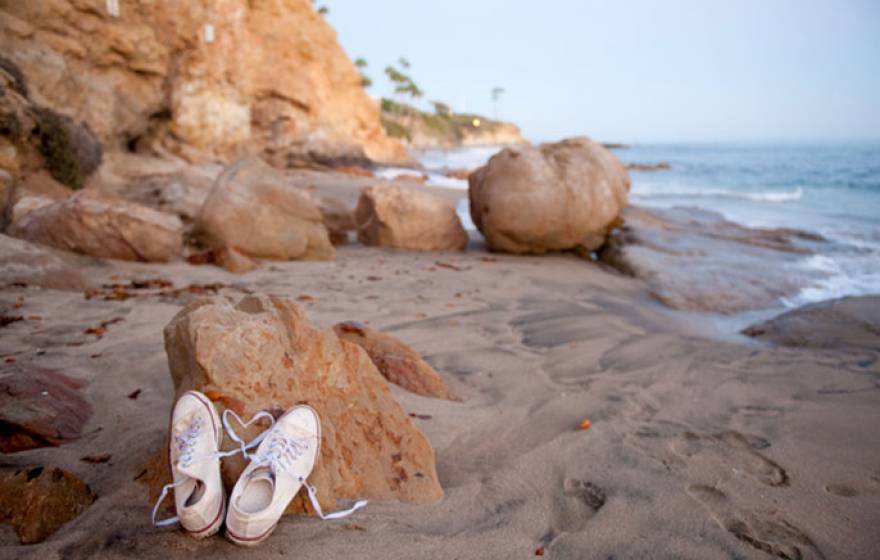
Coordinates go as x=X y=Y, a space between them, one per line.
x=221 y=77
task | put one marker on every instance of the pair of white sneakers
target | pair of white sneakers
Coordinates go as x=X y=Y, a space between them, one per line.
x=285 y=456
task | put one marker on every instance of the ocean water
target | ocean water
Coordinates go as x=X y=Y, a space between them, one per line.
x=829 y=189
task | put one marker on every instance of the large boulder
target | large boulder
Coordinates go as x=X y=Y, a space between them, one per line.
x=263 y=354
x=399 y=363
x=551 y=197
x=261 y=213
x=99 y=225
x=157 y=77
x=37 y=501
x=390 y=216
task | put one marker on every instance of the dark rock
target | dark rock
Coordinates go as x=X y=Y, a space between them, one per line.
x=662 y=166
x=19 y=82
x=39 y=408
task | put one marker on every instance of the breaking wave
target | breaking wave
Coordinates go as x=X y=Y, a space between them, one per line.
x=668 y=191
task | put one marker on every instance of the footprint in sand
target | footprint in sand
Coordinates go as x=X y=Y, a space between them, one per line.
x=842 y=490
x=766 y=531
x=579 y=502
x=730 y=450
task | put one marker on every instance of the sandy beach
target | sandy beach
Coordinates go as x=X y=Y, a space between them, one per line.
x=702 y=444
x=610 y=292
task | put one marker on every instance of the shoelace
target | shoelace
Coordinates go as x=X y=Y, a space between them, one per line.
x=186 y=447
x=282 y=452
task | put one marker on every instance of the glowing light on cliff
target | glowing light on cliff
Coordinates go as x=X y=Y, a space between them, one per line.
x=476 y=123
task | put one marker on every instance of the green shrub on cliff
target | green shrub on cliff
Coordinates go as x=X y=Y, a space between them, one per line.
x=394 y=129
x=71 y=151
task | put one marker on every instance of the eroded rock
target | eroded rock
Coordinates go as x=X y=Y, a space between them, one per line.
x=102 y=226
x=390 y=216
x=263 y=354
x=151 y=80
x=551 y=197
x=399 y=363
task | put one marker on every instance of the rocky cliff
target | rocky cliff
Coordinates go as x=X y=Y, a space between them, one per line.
x=215 y=77
x=421 y=129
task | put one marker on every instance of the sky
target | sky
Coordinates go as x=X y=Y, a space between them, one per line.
x=635 y=70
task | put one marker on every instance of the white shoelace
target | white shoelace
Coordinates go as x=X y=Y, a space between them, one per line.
x=282 y=452
x=186 y=448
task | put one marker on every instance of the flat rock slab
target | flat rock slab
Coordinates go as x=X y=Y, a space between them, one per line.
x=848 y=323
x=696 y=260
x=37 y=501
x=39 y=408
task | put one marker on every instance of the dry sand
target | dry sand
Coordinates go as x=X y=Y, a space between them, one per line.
x=702 y=444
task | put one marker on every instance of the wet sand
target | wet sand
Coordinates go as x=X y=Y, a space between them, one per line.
x=701 y=446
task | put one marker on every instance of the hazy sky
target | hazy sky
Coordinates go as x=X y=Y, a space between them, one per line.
x=636 y=70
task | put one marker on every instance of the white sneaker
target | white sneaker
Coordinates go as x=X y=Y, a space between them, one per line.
x=195 y=437
x=278 y=469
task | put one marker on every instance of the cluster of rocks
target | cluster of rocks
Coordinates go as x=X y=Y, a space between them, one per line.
x=40 y=408
x=527 y=199
x=554 y=197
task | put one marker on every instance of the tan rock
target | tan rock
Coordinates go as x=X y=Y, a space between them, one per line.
x=263 y=354
x=548 y=198
x=27 y=204
x=168 y=185
x=151 y=77
x=390 y=216
x=37 y=501
x=39 y=407
x=259 y=212
x=101 y=226
x=399 y=363
x=338 y=219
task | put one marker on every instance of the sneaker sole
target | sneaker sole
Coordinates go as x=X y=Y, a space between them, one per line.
x=214 y=528
x=244 y=541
